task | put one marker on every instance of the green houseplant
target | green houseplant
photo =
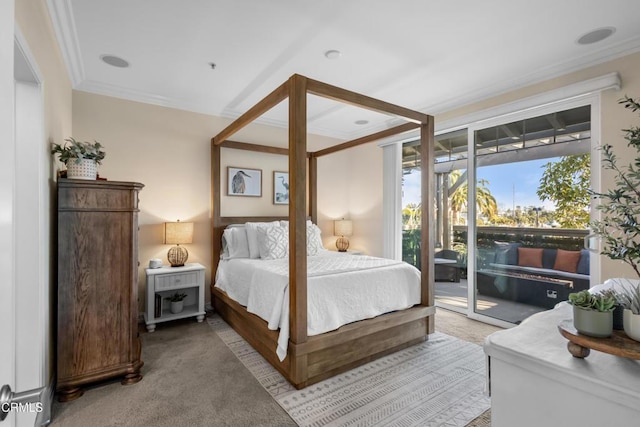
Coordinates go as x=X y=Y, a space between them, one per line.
x=177 y=302
x=629 y=298
x=619 y=226
x=81 y=157
x=593 y=313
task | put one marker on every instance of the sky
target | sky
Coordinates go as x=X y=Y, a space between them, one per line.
x=511 y=184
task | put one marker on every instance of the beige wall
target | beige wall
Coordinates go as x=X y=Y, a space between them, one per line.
x=168 y=150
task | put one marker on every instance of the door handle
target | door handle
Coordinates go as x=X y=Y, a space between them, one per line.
x=7 y=397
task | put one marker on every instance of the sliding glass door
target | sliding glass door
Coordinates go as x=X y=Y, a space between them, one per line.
x=529 y=180
x=511 y=193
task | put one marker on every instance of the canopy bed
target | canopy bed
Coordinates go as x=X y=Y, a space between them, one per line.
x=309 y=359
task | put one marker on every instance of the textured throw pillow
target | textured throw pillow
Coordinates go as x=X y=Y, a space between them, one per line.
x=567 y=261
x=314 y=240
x=252 y=236
x=273 y=242
x=530 y=257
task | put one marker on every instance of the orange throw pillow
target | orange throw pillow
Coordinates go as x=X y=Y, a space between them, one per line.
x=567 y=261
x=530 y=257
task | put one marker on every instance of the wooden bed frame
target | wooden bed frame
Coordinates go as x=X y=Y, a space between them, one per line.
x=312 y=359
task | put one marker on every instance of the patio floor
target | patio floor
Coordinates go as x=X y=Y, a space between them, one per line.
x=455 y=294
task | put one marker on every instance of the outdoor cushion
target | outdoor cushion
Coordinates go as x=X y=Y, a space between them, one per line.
x=506 y=253
x=583 y=265
x=530 y=257
x=567 y=261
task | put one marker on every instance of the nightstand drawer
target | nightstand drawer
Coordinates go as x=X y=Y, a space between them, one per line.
x=176 y=281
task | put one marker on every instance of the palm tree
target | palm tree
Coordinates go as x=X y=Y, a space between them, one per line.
x=412 y=216
x=485 y=202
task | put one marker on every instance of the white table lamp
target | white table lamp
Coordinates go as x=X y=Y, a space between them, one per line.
x=344 y=229
x=177 y=233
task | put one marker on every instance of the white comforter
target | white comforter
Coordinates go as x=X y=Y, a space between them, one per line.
x=340 y=289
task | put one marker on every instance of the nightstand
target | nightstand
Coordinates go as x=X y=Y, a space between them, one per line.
x=165 y=281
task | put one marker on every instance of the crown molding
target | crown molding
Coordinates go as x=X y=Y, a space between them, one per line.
x=116 y=91
x=606 y=54
x=574 y=91
x=64 y=26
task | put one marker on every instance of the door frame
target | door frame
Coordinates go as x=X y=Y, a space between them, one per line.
x=7 y=176
x=29 y=362
x=32 y=223
x=590 y=99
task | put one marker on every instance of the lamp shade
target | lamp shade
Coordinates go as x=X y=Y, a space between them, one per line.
x=176 y=233
x=343 y=227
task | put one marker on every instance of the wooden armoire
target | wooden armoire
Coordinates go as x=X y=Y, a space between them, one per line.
x=97 y=329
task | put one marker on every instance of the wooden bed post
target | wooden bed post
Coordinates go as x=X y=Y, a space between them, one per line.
x=313 y=188
x=298 y=219
x=216 y=232
x=427 y=235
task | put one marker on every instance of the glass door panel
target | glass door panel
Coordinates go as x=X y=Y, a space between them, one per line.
x=450 y=250
x=520 y=220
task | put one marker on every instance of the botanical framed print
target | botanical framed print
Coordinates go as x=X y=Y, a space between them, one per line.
x=244 y=182
x=280 y=188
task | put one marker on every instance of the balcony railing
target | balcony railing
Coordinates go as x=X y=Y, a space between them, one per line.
x=556 y=238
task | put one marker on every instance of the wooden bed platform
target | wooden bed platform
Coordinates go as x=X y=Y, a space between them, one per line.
x=312 y=359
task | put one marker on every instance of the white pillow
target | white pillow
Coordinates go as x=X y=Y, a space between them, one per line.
x=235 y=243
x=273 y=242
x=314 y=240
x=252 y=236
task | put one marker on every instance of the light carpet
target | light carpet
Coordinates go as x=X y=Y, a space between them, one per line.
x=436 y=383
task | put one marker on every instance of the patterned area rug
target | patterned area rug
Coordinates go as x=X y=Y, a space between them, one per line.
x=436 y=383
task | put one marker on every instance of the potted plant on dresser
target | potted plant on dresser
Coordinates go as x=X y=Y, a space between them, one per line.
x=80 y=157
x=619 y=224
x=629 y=296
x=592 y=313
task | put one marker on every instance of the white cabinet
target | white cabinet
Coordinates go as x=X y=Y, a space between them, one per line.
x=165 y=281
x=535 y=381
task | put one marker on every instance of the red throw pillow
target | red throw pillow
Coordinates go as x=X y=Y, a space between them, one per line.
x=530 y=257
x=567 y=261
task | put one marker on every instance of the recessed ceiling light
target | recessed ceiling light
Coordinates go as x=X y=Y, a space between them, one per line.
x=114 y=61
x=333 y=54
x=361 y=122
x=596 y=35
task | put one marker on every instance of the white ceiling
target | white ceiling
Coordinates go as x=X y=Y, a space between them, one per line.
x=430 y=56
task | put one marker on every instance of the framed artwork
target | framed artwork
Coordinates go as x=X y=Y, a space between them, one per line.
x=244 y=182
x=280 y=188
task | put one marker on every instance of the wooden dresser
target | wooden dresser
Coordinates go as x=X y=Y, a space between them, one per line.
x=97 y=330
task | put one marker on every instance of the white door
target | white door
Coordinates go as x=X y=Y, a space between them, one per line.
x=7 y=175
